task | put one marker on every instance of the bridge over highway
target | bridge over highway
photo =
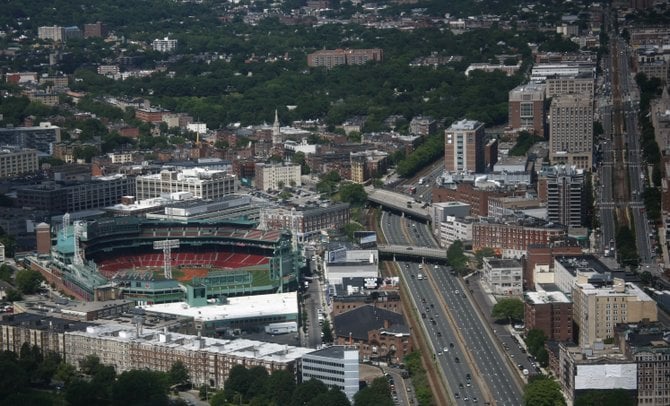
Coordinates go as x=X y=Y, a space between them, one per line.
x=398 y=202
x=405 y=251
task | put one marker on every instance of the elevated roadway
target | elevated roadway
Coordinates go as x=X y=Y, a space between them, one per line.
x=409 y=251
x=398 y=202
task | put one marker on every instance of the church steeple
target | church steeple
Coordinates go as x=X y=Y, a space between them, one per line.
x=276 y=133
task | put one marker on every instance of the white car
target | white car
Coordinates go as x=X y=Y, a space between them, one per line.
x=446 y=349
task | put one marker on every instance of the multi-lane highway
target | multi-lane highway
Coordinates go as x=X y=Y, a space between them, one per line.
x=463 y=346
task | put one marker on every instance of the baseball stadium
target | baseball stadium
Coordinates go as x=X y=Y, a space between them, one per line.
x=206 y=261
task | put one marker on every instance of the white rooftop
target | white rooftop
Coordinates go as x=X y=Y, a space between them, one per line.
x=242 y=348
x=237 y=307
x=465 y=125
x=547 y=297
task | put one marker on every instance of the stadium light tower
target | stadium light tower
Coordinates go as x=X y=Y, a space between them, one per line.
x=166 y=246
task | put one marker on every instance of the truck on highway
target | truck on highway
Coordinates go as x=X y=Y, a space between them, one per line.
x=282 y=328
x=419 y=276
x=421 y=181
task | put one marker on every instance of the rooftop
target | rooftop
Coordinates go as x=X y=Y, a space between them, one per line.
x=237 y=307
x=547 y=297
x=582 y=263
x=335 y=351
x=503 y=263
x=241 y=348
x=358 y=322
x=465 y=124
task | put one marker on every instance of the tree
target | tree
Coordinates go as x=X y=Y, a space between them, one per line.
x=140 y=387
x=178 y=374
x=6 y=273
x=28 y=281
x=307 y=391
x=486 y=252
x=535 y=340
x=456 y=257
x=508 y=308
x=13 y=295
x=281 y=385
x=353 y=193
x=603 y=397
x=543 y=391
x=327 y=332
x=378 y=393
x=237 y=382
x=90 y=365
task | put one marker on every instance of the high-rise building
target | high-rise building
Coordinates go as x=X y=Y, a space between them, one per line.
x=526 y=108
x=53 y=33
x=564 y=190
x=164 y=45
x=571 y=131
x=583 y=84
x=95 y=30
x=336 y=366
x=597 y=310
x=464 y=146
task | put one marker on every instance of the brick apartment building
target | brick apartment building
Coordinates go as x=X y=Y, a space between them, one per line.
x=333 y=57
x=550 y=312
x=513 y=238
x=478 y=199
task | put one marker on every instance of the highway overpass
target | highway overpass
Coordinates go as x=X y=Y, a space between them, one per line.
x=407 y=251
x=398 y=202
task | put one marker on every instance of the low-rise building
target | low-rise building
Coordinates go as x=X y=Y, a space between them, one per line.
x=306 y=221
x=277 y=177
x=585 y=369
x=512 y=236
x=16 y=162
x=336 y=366
x=503 y=276
x=455 y=228
x=200 y=182
x=379 y=335
x=550 y=312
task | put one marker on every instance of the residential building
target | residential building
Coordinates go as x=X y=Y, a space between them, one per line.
x=200 y=182
x=336 y=366
x=570 y=269
x=597 y=310
x=95 y=30
x=306 y=222
x=366 y=165
x=564 y=191
x=464 y=147
x=526 y=108
x=54 y=82
x=659 y=110
x=125 y=347
x=108 y=70
x=51 y=33
x=379 y=335
x=164 y=45
x=582 y=84
x=72 y=32
x=40 y=138
x=571 y=131
x=512 y=236
x=600 y=368
x=422 y=125
x=16 y=162
x=277 y=176
x=503 y=276
x=333 y=57
x=647 y=345
x=150 y=115
x=550 y=312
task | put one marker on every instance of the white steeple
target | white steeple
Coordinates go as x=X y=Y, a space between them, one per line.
x=276 y=134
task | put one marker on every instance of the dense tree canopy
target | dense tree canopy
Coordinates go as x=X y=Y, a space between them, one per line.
x=509 y=309
x=28 y=281
x=543 y=391
x=456 y=257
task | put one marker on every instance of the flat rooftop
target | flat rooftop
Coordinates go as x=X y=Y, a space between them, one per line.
x=504 y=263
x=241 y=307
x=547 y=297
x=629 y=289
x=582 y=263
x=242 y=348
